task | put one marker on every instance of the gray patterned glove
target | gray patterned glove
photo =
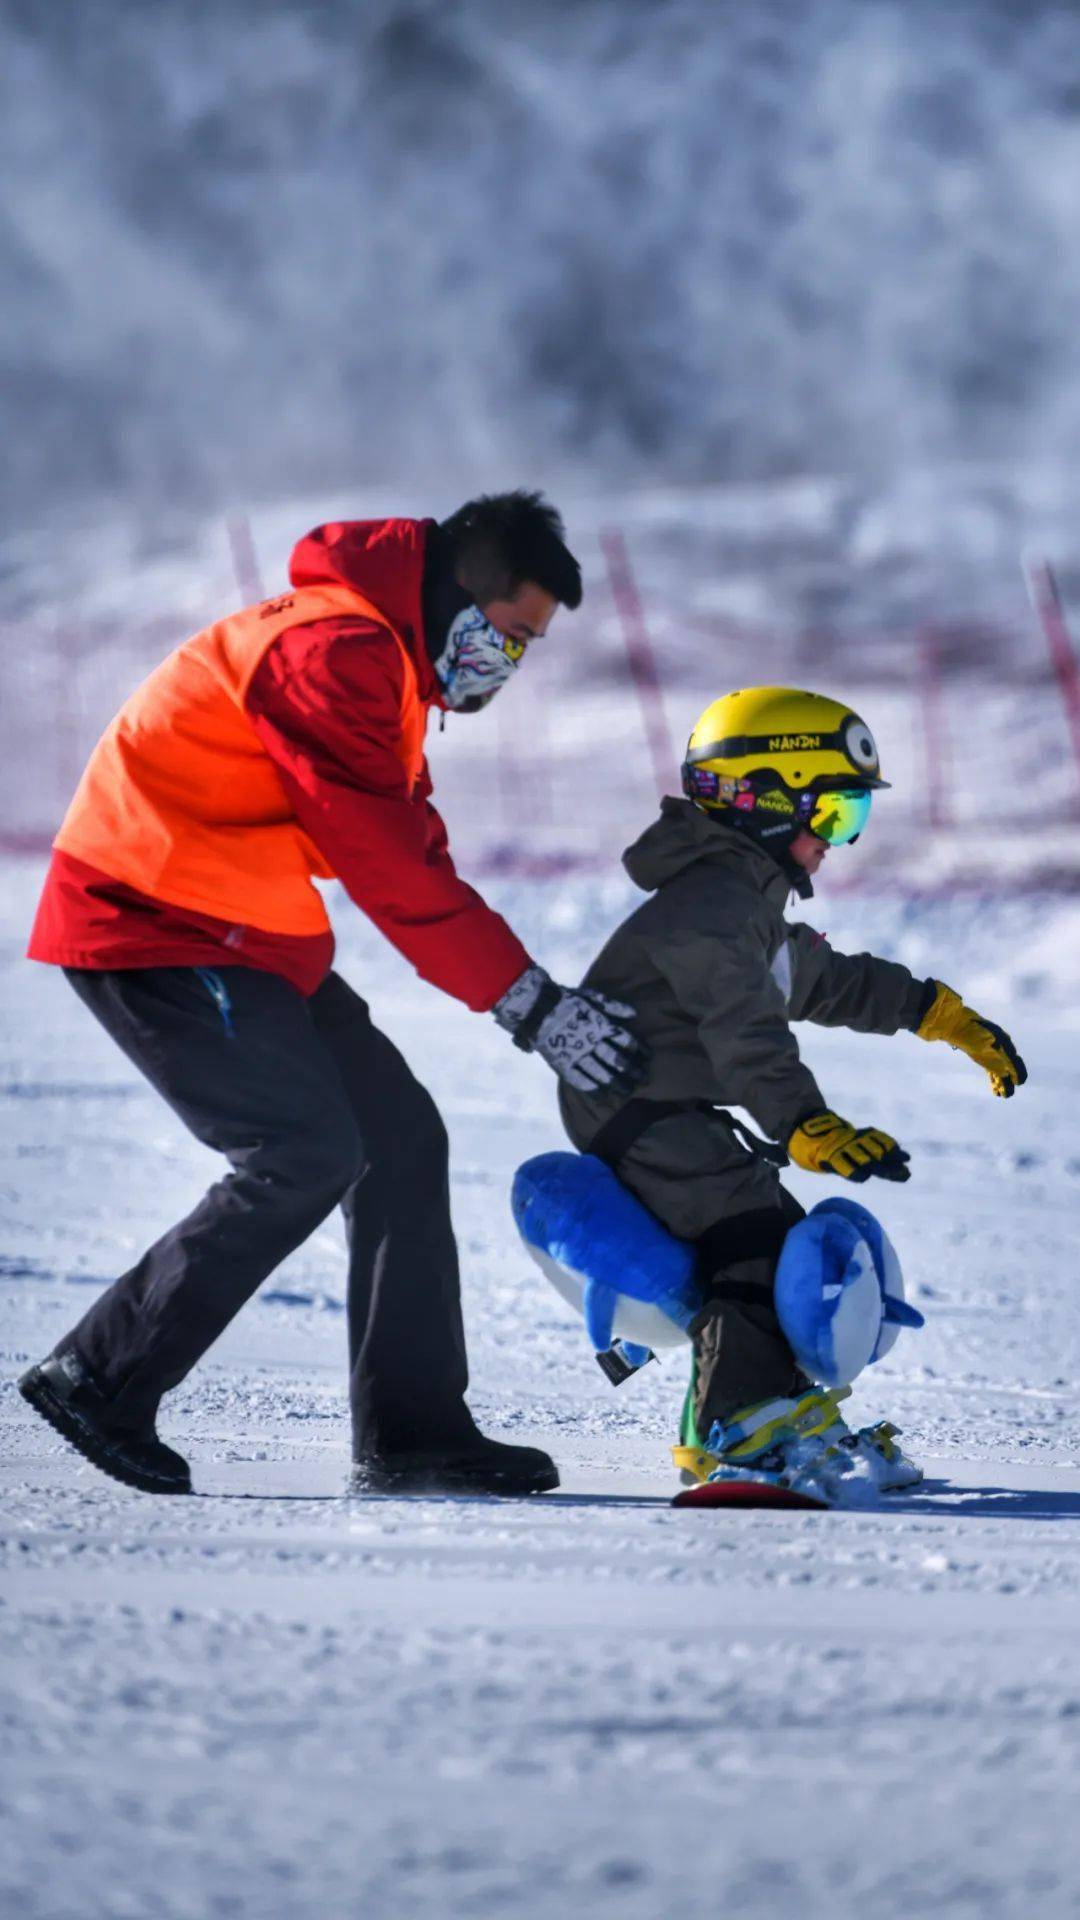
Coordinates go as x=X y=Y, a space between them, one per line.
x=580 y=1033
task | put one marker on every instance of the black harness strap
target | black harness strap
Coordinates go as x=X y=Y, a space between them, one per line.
x=617 y=1135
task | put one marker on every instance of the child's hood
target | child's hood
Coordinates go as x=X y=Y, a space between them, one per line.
x=683 y=835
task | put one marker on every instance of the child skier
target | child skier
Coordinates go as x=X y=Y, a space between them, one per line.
x=773 y=778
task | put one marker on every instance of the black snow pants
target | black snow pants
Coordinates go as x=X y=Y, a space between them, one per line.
x=314 y=1108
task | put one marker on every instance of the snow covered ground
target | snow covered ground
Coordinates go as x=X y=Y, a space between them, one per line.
x=272 y=1703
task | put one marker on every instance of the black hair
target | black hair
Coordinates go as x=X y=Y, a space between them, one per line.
x=501 y=540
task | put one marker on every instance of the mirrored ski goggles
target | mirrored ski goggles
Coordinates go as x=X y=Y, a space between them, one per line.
x=840 y=816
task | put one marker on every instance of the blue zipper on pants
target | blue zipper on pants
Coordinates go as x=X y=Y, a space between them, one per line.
x=219 y=994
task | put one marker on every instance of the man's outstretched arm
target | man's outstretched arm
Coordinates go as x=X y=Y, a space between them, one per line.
x=326 y=703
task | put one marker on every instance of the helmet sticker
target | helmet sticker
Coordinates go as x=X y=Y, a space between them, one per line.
x=700 y=784
x=776 y=800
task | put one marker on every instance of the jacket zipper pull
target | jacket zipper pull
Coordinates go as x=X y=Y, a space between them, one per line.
x=219 y=994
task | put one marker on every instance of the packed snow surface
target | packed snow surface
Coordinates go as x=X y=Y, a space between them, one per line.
x=273 y=1702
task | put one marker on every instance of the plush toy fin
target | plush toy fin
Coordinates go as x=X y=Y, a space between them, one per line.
x=599 y=1307
x=901 y=1313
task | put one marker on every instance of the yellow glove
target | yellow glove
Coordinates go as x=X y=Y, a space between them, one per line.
x=823 y=1143
x=989 y=1046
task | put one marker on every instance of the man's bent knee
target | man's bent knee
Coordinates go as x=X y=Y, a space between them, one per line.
x=323 y=1160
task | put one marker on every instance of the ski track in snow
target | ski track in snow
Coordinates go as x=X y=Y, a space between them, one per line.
x=269 y=1701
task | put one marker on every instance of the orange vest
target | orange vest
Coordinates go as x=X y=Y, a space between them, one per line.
x=180 y=798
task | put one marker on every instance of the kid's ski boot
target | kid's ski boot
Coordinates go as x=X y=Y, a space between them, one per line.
x=772 y=1439
x=815 y=1422
x=875 y=1451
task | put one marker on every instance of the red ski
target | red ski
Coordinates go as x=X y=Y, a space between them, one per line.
x=746 y=1493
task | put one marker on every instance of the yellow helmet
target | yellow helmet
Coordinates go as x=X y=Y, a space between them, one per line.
x=775 y=759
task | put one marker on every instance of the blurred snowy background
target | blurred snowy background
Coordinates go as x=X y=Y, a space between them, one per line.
x=269 y=247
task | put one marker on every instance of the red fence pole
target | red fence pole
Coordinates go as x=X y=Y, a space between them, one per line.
x=642 y=659
x=245 y=559
x=935 y=759
x=1046 y=600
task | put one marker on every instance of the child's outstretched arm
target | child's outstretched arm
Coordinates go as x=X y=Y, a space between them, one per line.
x=856 y=990
x=881 y=996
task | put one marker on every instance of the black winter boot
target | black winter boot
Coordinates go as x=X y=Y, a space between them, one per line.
x=62 y=1391
x=476 y=1465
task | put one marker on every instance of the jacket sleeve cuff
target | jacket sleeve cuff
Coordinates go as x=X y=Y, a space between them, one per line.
x=920 y=999
x=525 y=1005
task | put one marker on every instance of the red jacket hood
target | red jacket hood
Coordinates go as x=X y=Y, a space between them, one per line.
x=383 y=560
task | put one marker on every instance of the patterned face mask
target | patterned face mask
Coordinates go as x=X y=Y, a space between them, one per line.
x=476 y=660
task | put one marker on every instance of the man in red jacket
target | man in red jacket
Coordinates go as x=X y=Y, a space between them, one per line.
x=285 y=742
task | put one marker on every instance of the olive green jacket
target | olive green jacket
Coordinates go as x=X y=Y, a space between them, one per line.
x=716 y=976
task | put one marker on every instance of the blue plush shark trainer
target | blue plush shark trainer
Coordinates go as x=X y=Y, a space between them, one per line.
x=839 y=1288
